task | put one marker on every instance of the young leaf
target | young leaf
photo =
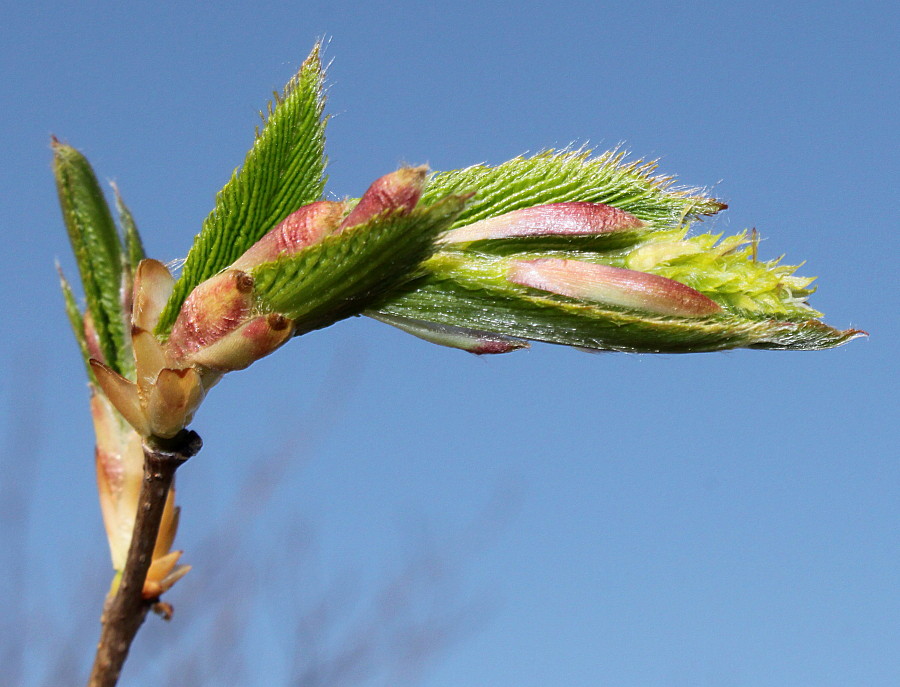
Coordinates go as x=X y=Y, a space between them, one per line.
x=591 y=325
x=284 y=169
x=76 y=320
x=562 y=176
x=98 y=252
x=344 y=273
x=134 y=247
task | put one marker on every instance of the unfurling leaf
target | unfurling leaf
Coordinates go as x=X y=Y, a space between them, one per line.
x=284 y=170
x=606 y=264
x=95 y=243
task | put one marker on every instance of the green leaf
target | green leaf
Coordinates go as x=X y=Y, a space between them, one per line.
x=565 y=321
x=344 y=273
x=76 y=320
x=95 y=242
x=134 y=247
x=561 y=176
x=283 y=170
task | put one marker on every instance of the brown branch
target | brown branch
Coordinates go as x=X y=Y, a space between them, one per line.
x=126 y=612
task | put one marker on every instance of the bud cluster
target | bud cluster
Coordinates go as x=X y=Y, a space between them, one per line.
x=224 y=325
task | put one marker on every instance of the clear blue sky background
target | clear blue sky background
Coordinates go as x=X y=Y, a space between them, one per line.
x=722 y=519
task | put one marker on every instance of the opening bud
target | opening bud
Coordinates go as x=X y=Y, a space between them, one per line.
x=161 y=408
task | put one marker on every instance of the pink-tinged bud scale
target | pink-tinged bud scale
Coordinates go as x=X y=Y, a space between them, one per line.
x=213 y=309
x=555 y=219
x=123 y=395
x=153 y=284
x=305 y=227
x=471 y=340
x=246 y=344
x=395 y=192
x=173 y=400
x=614 y=286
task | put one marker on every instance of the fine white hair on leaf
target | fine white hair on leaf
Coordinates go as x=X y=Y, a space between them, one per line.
x=174 y=265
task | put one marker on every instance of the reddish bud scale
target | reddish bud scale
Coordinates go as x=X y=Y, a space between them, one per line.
x=496 y=346
x=302 y=228
x=213 y=309
x=398 y=191
x=471 y=340
x=555 y=219
x=614 y=286
x=248 y=343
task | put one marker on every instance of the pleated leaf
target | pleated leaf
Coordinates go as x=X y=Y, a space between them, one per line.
x=284 y=169
x=76 y=320
x=134 y=247
x=556 y=319
x=562 y=176
x=98 y=253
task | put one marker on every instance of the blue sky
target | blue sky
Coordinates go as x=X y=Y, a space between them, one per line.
x=719 y=519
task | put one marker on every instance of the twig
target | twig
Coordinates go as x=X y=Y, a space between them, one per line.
x=128 y=608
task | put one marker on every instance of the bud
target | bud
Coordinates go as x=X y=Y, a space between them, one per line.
x=398 y=191
x=471 y=340
x=213 y=309
x=246 y=344
x=308 y=225
x=555 y=219
x=120 y=461
x=614 y=286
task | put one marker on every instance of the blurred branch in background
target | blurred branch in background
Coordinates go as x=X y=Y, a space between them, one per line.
x=258 y=615
x=18 y=474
